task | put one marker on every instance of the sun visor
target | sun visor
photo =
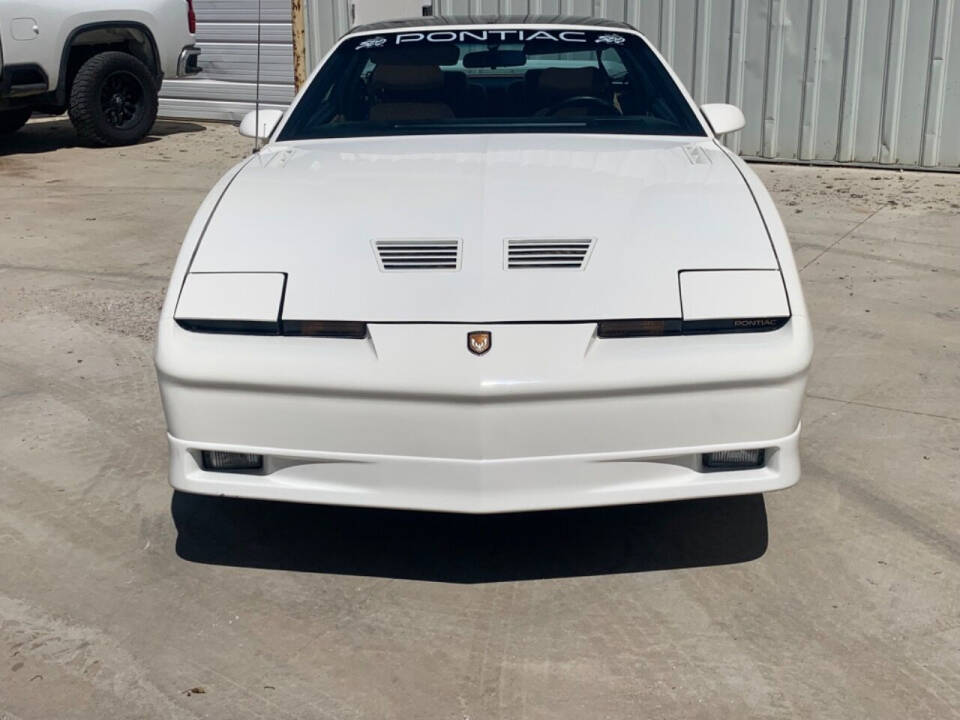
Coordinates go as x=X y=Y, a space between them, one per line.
x=717 y=294
x=422 y=55
x=231 y=297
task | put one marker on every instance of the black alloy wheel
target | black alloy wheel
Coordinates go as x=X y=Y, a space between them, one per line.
x=113 y=99
x=121 y=100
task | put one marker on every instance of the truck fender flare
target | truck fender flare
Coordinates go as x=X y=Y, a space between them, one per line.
x=61 y=91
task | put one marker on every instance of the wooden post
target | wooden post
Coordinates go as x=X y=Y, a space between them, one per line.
x=299 y=45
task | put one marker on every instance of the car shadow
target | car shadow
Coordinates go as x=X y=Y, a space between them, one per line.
x=57 y=134
x=454 y=548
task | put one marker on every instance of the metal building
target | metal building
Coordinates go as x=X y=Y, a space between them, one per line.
x=852 y=81
x=227 y=34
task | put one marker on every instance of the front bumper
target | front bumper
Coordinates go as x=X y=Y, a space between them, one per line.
x=188 y=62
x=484 y=486
x=551 y=417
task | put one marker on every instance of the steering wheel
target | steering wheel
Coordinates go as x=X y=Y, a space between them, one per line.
x=606 y=105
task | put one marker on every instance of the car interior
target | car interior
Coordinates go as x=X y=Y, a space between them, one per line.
x=462 y=87
x=397 y=93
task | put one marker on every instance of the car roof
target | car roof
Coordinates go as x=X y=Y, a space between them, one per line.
x=440 y=20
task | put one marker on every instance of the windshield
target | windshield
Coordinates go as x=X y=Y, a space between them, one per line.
x=491 y=80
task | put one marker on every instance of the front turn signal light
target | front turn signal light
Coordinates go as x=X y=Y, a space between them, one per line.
x=325 y=328
x=658 y=327
x=229 y=461
x=734 y=459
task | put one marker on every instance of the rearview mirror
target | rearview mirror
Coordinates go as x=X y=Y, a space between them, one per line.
x=723 y=118
x=268 y=123
x=495 y=59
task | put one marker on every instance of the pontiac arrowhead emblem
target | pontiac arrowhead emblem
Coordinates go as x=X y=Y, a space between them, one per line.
x=479 y=341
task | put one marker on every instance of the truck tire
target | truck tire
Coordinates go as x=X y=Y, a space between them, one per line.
x=113 y=100
x=13 y=120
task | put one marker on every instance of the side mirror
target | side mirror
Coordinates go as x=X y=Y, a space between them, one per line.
x=723 y=118
x=268 y=123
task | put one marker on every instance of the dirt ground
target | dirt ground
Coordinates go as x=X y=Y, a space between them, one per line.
x=838 y=598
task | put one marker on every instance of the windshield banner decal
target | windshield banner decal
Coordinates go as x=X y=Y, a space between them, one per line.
x=521 y=35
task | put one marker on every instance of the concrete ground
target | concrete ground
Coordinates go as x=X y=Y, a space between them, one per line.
x=839 y=598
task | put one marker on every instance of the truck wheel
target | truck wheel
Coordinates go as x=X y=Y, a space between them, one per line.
x=113 y=100
x=13 y=120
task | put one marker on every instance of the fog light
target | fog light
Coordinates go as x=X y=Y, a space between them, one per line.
x=734 y=459
x=226 y=461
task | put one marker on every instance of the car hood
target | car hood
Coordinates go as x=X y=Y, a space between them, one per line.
x=647 y=207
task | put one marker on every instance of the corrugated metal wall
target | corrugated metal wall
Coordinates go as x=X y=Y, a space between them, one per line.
x=324 y=22
x=856 y=81
x=862 y=81
x=227 y=34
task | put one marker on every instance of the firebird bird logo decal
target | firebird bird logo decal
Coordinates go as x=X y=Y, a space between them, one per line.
x=479 y=341
x=372 y=43
x=611 y=39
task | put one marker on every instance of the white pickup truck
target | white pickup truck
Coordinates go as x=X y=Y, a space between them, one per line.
x=102 y=62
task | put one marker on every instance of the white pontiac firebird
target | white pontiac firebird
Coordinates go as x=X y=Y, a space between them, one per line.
x=486 y=266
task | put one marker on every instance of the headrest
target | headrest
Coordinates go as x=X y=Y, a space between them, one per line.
x=407 y=78
x=455 y=79
x=569 y=81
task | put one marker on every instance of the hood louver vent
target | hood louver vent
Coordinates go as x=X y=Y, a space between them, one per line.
x=395 y=255
x=569 y=254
